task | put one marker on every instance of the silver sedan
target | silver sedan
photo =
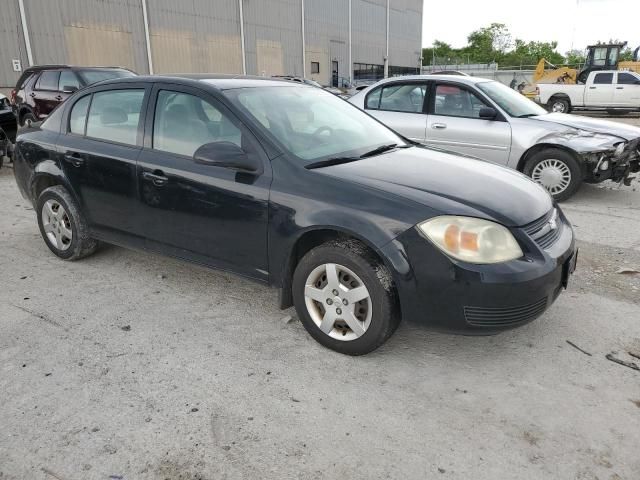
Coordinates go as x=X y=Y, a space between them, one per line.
x=492 y=122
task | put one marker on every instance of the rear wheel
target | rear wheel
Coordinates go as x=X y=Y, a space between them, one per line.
x=26 y=119
x=559 y=105
x=62 y=225
x=345 y=298
x=557 y=171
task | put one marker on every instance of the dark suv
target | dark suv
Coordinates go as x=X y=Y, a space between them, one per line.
x=40 y=89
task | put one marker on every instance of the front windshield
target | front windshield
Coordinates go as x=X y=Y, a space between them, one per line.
x=512 y=102
x=311 y=123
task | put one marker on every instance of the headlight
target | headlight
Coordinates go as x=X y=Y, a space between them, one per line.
x=471 y=239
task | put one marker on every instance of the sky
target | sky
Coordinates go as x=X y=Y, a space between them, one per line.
x=572 y=23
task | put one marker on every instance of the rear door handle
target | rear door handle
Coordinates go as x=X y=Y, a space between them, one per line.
x=592 y=88
x=59 y=97
x=32 y=94
x=619 y=88
x=74 y=159
x=439 y=126
x=156 y=177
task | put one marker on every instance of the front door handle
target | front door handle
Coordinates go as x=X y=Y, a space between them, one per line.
x=59 y=97
x=439 y=126
x=592 y=88
x=74 y=159
x=619 y=88
x=156 y=177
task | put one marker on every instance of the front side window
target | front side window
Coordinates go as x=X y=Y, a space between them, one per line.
x=184 y=122
x=600 y=56
x=68 y=79
x=310 y=123
x=628 y=79
x=114 y=115
x=454 y=101
x=603 y=79
x=78 y=116
x=48 y=81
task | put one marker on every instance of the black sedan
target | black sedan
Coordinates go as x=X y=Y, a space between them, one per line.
x=293 y=187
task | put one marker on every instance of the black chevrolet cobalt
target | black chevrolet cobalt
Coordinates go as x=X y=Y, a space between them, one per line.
x=287 y=184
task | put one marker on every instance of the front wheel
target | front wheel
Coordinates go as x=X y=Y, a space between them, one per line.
x=345 y=298
x=557 y=171
x=559 y=105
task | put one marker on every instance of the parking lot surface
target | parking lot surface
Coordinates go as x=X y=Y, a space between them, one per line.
x=128 y=365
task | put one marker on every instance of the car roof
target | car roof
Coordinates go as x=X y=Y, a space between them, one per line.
x=38 y=68
x=469 y=80
x=218 y=81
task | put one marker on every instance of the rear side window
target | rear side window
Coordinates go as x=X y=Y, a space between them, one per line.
x=114 y=115
x=68 y=79
x=78 y=116
x=603 y=78
x=48 y=81
x=627 y=79
x=398 y=98
x=23 y=79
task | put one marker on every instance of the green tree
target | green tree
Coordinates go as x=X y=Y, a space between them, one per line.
x=575 y=58
x=489 y=44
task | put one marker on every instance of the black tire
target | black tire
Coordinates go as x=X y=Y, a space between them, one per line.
x=565 y=157
x=27 y=117
x=385 y=315
x=562 y=104
x=81 y=244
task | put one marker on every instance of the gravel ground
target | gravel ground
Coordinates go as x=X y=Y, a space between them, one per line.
x=133 y=366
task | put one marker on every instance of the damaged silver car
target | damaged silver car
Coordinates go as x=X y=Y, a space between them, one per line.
x=490 y=121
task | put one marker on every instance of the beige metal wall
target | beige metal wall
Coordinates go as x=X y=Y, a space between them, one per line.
x=204 y=35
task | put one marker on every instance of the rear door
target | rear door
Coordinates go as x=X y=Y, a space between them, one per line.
x=454 y=124
x=600 y=92
x=627 y=92
x=209 y=214
x=401 y=106
x=45 y=95
x=101 y=141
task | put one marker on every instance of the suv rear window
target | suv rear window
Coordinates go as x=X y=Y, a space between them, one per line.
x=95 y=76
x=48 y=80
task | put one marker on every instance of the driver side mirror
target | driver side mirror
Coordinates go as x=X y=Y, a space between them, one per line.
x=227 y=155
x=487 y=113
x=69 y=89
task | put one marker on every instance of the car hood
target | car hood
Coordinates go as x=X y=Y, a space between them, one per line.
x=449 y=184
x=596 y=125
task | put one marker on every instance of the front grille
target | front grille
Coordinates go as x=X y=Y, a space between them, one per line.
x=503 y=317
x=546 y=230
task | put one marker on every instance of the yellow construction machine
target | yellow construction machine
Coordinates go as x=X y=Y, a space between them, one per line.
x=599 y=57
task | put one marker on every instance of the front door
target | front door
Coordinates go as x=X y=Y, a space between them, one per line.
x=401 y=106
x=98 y=153
x=600 y=92
x=454 y=124
x=210 y=214
x=627 y=92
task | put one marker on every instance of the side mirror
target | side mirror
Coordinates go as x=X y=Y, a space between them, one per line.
x=69 y=89
x=487 y=113
x=226 y=155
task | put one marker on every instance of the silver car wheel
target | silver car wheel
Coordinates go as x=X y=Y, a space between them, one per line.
x=558 y=107
x=338 y=302
x=552 y=174
x=56 y=225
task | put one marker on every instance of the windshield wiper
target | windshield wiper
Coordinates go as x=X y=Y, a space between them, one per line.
x=331 y=161
x=338 y=160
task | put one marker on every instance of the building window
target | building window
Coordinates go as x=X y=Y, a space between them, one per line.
x=395 y=71
x=367 y=71
x=315 y=67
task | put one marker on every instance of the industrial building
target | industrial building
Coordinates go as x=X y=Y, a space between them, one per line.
x=330 y=41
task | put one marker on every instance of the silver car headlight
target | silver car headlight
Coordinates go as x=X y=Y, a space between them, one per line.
x=471 y=239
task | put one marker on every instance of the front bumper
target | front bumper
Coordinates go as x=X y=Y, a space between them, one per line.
x=458 y=297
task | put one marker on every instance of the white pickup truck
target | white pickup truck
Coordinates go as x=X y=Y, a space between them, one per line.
x=610 y=90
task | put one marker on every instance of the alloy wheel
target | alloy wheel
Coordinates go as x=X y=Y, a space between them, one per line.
x=552 y=174
x=338 y=302
x=56 y=224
